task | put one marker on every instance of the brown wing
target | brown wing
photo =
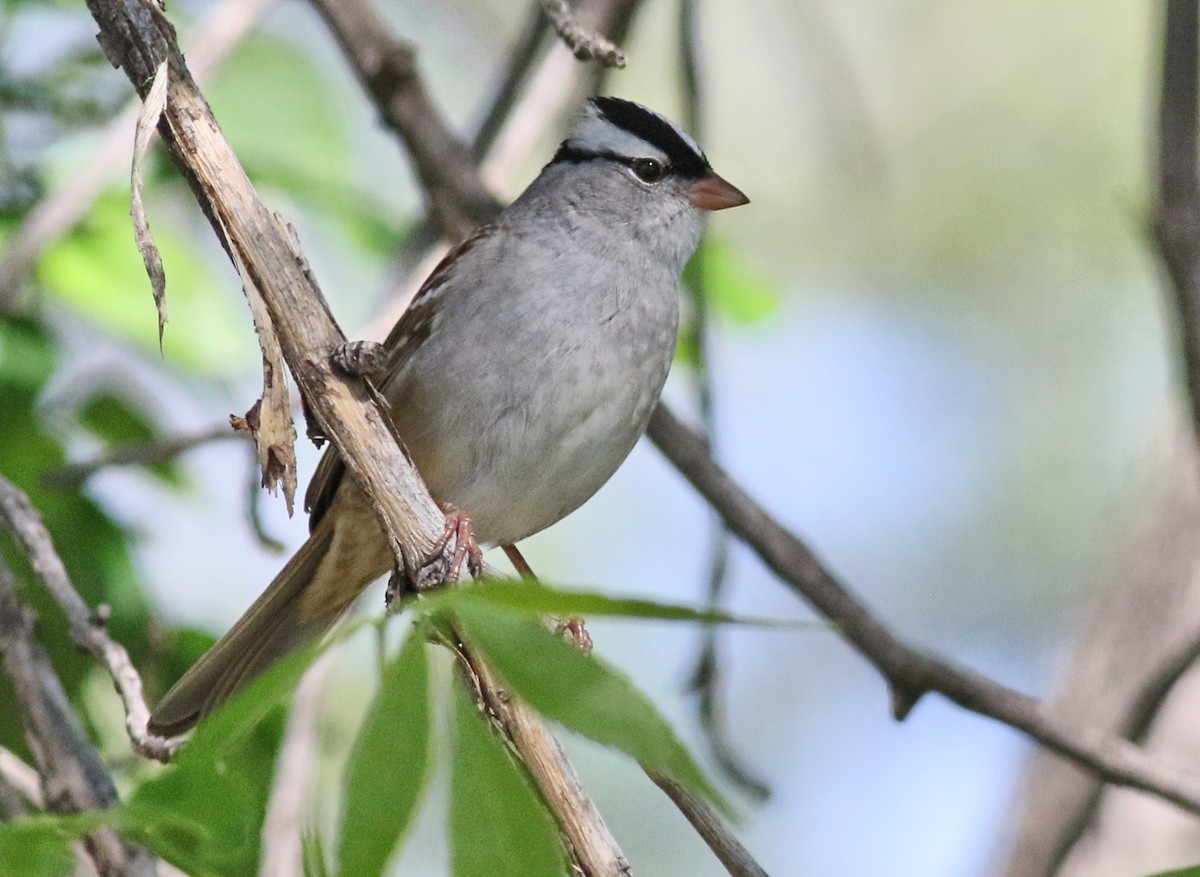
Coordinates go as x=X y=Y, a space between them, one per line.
x=406 y=336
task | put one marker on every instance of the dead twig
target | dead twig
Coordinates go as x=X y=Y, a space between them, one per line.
x=586 y=45
x=22 y=520
x=137 y=454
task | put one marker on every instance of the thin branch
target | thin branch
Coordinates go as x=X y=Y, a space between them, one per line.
x=73 y=776
x=22 y=777
x=522 y=59
x=705 y=679
x=1177 y=218
x=138 y=454
x=586 y=45
x=735 y=857
x=704 y=819
x=22 y=520
x=910 y=672
x=138 y=38
x=386 y=66
x=64 y=207
x=1135 y=725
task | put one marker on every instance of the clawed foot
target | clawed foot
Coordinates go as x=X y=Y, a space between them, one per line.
x=466 y=546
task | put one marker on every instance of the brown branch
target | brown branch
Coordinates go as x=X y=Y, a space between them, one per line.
x=910 y=672
x=1044 y=845
x=22 y=520
x=73 y=776
x=456 y=197
x=735 y=857
x=1177 y=218
x=593 y=848
x=138 y=454
x=585 y=44
x=21 y=778
x=523 y=57
x=137 y=38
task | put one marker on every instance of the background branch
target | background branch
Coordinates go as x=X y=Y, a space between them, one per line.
x=455 y=195
x=1146 y=633
x=1177 y=218
x=87 y=627
x=705 y=678
x=909 y=672
x=138 y=454
x=73 y=776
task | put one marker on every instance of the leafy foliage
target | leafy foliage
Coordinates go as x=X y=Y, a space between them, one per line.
x=497 y=822
x=580 y=691
x=205 y=811
x=388 y=765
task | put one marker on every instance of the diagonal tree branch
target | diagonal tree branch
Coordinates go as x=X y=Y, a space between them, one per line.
x=910 y=672
x=386 y=66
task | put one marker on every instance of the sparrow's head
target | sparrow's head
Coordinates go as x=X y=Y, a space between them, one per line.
x=648 y=152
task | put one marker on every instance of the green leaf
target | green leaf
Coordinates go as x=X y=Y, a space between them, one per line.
x=733 y=287
x=37 y=847
x=388 y=765
x=27 y=357
x=580 y=691
x=498 y=824
x=536 y=598
x=1193 y=871
x=204 y=812
x=312 y=851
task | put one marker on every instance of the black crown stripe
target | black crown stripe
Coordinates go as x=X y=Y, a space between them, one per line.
x=640 y=122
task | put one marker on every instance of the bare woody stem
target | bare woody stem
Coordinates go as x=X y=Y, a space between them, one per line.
x=21 y=519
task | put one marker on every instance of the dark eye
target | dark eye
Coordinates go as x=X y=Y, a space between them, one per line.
x=648 y=170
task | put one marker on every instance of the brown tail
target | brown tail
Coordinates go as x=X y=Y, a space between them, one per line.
x=280 y=621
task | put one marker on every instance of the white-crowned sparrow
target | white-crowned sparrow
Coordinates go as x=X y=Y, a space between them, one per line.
x=519 y=379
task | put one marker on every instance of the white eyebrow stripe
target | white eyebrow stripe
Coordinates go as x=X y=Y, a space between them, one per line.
x=596 y=134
